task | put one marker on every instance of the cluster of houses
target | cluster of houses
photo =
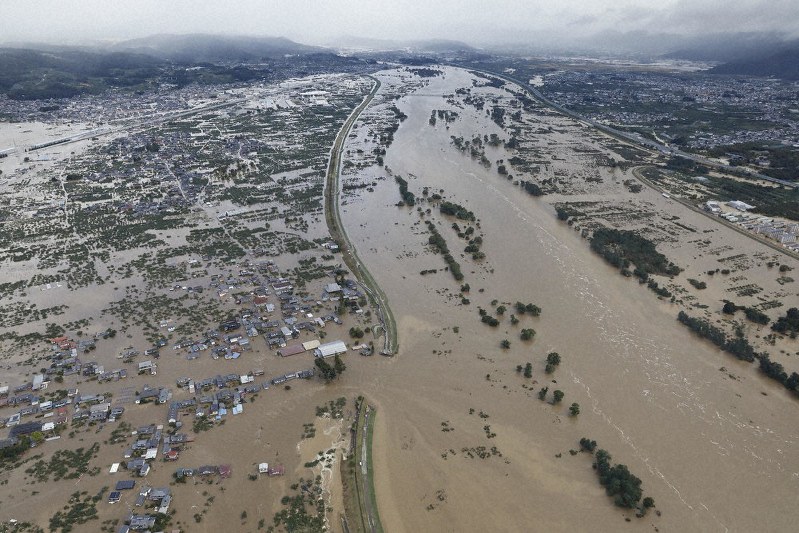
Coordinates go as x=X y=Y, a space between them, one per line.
x=213 y=397
x=146 y=447
x=223 y=471
x=230 y=392
x=785 y=233
x=91 y=407
x=158 y=498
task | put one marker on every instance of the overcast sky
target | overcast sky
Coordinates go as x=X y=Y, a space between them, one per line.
x=317 y=21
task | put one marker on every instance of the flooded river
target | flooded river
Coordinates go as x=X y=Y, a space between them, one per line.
x=716 y=454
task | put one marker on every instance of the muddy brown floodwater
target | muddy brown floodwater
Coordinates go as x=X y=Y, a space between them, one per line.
x=716 y=454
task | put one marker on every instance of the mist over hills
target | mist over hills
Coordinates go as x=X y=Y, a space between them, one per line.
x=781 y=64
x=195 y=48
x=34 y=74
x=441 y=46
x=36 y=71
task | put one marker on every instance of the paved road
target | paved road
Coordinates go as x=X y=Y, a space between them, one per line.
x=366 y=487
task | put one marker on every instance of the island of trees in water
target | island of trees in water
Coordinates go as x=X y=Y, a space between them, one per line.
x=620 y=484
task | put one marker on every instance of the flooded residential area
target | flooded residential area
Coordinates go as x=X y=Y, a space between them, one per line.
x=254 y=285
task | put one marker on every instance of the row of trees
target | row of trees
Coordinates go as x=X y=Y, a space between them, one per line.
x=755 y=315
x=456 y=210
x=407 y=196
x=436 y=240
x=737 y=346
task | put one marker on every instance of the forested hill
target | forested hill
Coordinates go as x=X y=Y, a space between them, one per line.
x=782 y=64
x=33 y=74
x=43 y=72
x=196 y=48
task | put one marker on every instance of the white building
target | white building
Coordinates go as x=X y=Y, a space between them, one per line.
x=740 y=206
x=330 y=349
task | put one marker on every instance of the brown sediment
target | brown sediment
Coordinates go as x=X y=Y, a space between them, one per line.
x=650 y=392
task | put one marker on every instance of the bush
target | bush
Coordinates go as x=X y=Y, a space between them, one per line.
x=788 y=323
x=587 y=445
x=553 y=360
x=542 y=394
x=756 y=316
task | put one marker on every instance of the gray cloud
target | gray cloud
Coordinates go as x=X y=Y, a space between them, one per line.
x=314 y=21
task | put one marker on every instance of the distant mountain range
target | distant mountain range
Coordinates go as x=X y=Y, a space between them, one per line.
x=34 y=71
x=198 y=48
x=783 y=64
x=752 y=53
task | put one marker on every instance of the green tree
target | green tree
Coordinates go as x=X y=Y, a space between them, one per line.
x=528 y=370
x=574 y=409
x=553 y=360
x=527 y=334
x=557 y=396
x=729 y=308
x=327 y=371
x=338 y=365
x=542 y=394
x=501 y=310
x=587 y=445
x=505 y=344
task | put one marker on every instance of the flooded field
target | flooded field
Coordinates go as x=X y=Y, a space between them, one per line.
x=463 y=442
x=162 y=236
x=125 y=249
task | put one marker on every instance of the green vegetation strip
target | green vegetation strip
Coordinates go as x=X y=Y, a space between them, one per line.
x=336 y=229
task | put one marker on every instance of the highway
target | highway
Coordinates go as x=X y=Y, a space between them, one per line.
x=366 y=487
